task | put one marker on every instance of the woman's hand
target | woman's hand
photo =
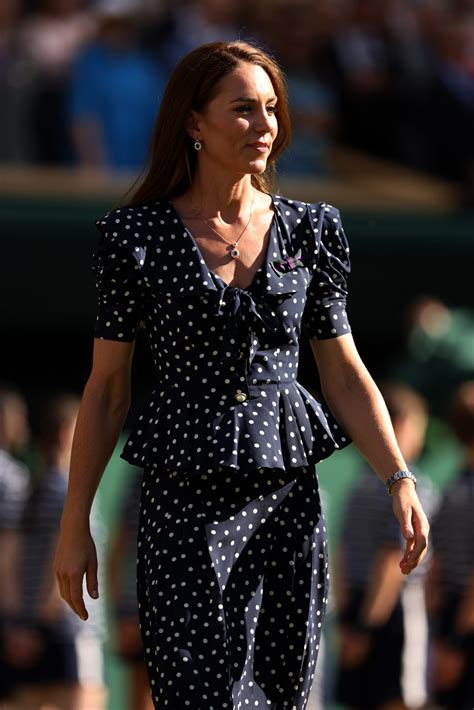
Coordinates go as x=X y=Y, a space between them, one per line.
x=413 y=523
x=75 y=556
x=104 y=406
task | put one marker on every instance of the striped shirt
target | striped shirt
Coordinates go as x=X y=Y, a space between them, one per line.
x=453 y=534
x=370 y=524
x=14 y=483
x=39 y=529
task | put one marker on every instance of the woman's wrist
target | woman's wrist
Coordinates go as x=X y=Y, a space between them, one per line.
x=404 y=487
x=398 y=480
x=76 y=517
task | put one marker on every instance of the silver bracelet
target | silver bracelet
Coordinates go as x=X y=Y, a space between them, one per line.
x=397 y=476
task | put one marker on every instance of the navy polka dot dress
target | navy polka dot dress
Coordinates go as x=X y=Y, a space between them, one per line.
x=232 y=576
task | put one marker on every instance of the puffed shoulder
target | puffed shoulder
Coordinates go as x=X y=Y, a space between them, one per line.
x=120 y=235
x=119 y=216
x=334 y=238
x=117 y=263
x=331 y=238
x=123 y=225
x=325 y=314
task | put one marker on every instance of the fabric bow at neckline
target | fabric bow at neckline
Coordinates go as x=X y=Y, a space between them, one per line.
x=238 y=299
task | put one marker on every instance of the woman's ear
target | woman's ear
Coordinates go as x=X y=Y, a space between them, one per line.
x=192 y=125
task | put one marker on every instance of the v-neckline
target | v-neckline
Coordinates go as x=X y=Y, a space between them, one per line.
x=213 y=273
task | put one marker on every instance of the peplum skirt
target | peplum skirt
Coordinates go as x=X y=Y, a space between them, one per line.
x=232 y=584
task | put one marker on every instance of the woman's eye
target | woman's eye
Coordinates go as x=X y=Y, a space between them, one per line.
x=247 y=109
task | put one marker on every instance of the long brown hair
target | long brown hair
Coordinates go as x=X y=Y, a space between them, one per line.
x=193 y=84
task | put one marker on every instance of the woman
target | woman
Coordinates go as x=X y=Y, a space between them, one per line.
x=232 y=561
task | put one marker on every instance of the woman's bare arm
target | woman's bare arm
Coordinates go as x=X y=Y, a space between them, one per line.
x=104 y=406
x=358 y=406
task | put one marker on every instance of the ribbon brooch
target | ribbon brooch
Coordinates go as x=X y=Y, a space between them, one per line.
x=283 y=266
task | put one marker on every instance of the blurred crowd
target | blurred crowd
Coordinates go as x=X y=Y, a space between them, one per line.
x=400 y=642
x=48 y=658
x=408 y=642
x=81 y=81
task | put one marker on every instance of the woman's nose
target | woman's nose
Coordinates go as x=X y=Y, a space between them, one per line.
x=263 y=120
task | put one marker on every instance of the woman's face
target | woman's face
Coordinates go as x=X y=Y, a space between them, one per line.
x=237 y=128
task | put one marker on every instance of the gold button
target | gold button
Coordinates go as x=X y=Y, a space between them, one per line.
x=240 y=396
x=240 y=355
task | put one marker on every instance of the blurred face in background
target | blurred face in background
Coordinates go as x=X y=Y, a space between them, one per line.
x=238 y=127
x=63 y=8
x=14 y=428
x=410 y=431
x=220 y=12
x=117 y=31
x=10 y=11
x=457 y=45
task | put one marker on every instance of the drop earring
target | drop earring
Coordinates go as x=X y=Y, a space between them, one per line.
x=197 y=144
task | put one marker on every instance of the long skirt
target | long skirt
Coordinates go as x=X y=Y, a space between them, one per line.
x=232 y=583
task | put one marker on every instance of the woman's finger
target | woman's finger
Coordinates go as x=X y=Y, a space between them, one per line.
x=60 y=584
x=68 y=595
x=414 y=556
x=77 y=601
x=408 y=550
x=91 y=577
x=71 y=596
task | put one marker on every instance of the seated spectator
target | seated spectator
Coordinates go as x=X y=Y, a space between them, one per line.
x=369 y=582
x=116 y=90
x=452 y=105
x=195 y=22
x=15 y=87
x=359 y=66
x=452 y=574
x=41 y=641
x=14 y=485
x=311 y=103
x=271 y=23
x=51 y=38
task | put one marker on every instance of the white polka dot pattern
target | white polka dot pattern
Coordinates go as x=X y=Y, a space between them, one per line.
x=226 y=357
x=232 y=586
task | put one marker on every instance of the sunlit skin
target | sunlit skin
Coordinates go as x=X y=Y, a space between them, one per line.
x=238 y=126
x=237 y=130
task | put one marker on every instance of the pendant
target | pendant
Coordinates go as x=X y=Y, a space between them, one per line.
x=235 y=252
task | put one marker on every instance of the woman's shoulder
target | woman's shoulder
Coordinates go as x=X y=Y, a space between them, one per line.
x=295 y=205
x=323 y=216
x=135 y=219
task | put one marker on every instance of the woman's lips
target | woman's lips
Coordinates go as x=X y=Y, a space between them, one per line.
x=261 y=147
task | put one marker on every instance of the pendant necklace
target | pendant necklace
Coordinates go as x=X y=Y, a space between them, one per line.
x=234 y=252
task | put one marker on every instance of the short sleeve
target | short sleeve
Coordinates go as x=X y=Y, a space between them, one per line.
x=325 y=314
x=119 y=284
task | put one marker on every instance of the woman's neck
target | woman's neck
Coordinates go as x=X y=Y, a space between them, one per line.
x=221 y=197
